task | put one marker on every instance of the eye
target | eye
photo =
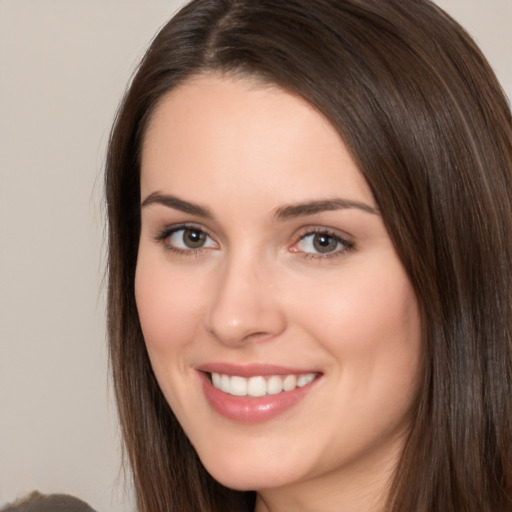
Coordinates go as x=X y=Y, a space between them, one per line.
x=184 y=239
x=322 y=243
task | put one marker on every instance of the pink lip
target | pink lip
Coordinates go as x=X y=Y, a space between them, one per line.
x=251 y=409
x=252 y=370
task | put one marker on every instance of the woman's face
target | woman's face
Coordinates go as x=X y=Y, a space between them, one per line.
x=280 y=323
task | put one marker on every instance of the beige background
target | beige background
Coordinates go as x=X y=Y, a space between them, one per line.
x=63 y=67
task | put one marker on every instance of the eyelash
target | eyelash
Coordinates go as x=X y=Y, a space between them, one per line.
x=347 y=246
x=164 y=235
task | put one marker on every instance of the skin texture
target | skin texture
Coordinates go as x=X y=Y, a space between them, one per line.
x=258 y=292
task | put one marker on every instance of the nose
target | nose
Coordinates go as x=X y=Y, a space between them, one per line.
x=245 y=306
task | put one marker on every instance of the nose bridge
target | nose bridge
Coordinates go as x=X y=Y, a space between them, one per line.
x=245 y=306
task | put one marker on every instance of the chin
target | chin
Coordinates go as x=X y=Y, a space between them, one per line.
x=247 y=476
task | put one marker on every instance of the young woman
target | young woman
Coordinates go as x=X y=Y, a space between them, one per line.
x=310 y=236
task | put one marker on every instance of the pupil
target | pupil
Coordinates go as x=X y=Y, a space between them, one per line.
x=194 y=238
x=324 y=243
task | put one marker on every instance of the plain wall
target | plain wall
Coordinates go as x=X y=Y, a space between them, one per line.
x=63 y=67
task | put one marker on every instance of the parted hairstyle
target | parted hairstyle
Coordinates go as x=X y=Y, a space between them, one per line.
x=425 y=119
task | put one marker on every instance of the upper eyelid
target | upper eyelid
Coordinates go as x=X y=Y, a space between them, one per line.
x=172 y=228
x=300 y=233
x=161 y=225
x=309 y=230
x=162 y=236
x=339 y=239
x=344 y=238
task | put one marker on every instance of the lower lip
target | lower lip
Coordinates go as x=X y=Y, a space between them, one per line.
x=245 y=409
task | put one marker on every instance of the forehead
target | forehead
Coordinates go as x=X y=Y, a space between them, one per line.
x=230 y=134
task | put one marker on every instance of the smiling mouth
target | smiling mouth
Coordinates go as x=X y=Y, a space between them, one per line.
x=259 y=386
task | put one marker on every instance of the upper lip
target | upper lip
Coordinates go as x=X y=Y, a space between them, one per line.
x=252 y=370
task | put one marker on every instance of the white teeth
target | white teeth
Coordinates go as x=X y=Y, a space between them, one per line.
x=259 y=385
x=290 y=383
x=274 y=385
x=216 y=379
x=225 y=383
x=238 y=386
x=305 y=379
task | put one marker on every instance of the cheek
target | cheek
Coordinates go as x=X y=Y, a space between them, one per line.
x=168 y=304
x=368 y=321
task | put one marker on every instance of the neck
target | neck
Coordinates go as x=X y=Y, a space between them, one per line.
x=365 y=487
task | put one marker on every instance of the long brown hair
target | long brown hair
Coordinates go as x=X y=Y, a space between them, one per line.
x=424 y=117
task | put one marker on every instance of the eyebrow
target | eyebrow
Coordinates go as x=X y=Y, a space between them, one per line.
x=283 y=213
x=312 y=207
x=177 y=204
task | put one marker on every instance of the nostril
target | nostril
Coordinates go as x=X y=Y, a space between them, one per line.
x=258 y=336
